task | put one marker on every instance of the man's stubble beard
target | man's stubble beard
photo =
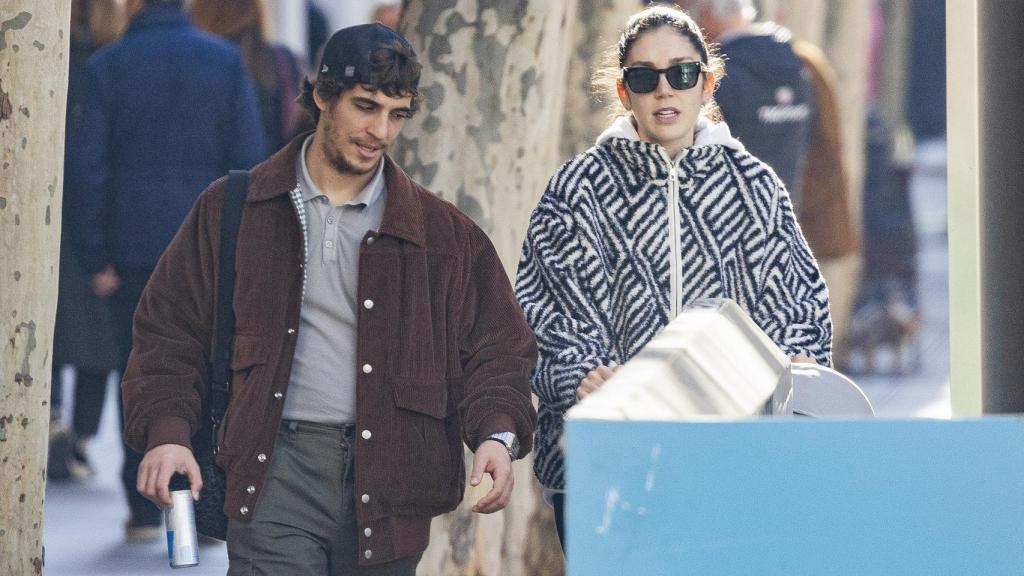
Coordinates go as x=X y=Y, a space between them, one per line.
x=332 y=152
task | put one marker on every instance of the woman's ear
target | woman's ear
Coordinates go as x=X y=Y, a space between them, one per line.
x=623 y=95
x=709 y=87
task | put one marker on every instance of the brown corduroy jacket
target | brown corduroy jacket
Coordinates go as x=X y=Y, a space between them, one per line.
x=824 y=213
x=444 y=352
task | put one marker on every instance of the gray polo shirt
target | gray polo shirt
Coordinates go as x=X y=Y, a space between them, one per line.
x=323 y=379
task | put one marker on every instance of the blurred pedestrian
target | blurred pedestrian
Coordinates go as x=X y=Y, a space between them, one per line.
x=887 y=313
x=166 y=109
x=387 y=12
x=82 y=336
x=275 y=71
x=376 y=332
x=824 y=213
x=766 y=98
x=780 y=100
x=666 y=209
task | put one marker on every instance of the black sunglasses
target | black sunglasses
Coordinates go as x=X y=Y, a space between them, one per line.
x=682 y=76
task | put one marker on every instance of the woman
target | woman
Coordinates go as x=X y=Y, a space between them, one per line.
x=666 y=209
x=275 y=71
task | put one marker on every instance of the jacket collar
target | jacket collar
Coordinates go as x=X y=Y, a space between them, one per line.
x=403 y=214
x=154 y=16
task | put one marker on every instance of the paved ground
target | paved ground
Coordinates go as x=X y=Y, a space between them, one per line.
x=84 y=522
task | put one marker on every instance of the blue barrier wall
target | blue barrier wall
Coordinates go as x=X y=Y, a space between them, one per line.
x=788 y=497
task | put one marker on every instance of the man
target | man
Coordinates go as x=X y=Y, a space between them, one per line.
x=166 y=109
x=779 y=98
x=376 y=331
x=765 y=96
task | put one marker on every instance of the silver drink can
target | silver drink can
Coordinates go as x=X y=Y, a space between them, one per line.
x=182 y=538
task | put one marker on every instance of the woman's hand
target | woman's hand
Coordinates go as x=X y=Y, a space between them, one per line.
x=594 y=380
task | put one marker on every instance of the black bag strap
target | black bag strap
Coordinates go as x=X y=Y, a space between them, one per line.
x=224 y=329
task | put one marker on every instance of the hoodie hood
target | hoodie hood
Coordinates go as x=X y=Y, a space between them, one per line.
x=764 y=53
x=706 y=133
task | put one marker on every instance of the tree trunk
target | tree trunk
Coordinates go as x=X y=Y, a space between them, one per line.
x=598 y=26
x=33 y=92
x=487 y=139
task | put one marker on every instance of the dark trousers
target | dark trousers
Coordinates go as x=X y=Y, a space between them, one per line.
x=304 y=523
x=559 y=501
x=90 y=393
x=123 y=304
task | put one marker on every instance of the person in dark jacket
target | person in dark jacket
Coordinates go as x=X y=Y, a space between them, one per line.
x=166 y=109
x=376 y=332
x=766 y=97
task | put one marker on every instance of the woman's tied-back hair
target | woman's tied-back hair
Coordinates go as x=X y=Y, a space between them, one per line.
x=394 y=70
x=647 y=20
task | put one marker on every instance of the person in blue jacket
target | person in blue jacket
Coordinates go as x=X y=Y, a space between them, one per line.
x=166 y=110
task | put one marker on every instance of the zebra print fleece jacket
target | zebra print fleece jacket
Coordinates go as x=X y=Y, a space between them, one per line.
x=624 y=237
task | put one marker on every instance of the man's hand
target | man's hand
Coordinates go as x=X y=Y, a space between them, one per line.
x=107 y=282
x=492 y=457
x=594 y=380
x=157 y=467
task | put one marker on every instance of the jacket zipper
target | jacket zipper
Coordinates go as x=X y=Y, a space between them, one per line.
x=674 y=223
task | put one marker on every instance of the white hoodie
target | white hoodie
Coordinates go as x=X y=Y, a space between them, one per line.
x=706 y=133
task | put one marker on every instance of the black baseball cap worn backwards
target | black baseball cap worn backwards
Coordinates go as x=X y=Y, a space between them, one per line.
x=346 y=56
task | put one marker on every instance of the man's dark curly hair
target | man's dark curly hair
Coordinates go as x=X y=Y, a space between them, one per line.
x=394 y=70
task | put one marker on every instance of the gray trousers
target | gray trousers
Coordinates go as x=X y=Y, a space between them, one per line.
x=305 y=520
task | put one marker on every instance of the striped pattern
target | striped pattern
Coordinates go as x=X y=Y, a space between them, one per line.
x=594 y=272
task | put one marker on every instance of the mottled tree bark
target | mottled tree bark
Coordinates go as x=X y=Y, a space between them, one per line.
x=598 y=26
x=487 y=139
x=33 y=92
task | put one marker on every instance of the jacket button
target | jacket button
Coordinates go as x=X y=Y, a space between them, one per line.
x=291 y=330
x=366 y=434
x=368 y=554
x=370 y=240
x=251 y=489
x=278 y=395
x=244 y=510
x=367 y=368
x=368 y=532
x=368 y=304
x=262 y=458
x=365 y=498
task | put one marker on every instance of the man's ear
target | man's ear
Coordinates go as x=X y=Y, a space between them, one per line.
x=319 y=101
x=623 y=94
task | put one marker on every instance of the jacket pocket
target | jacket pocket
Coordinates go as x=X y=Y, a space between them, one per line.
x=248 y=357
x=422 y=442
x=427 y=396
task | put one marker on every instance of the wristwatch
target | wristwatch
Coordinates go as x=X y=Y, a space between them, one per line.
x=510 y=442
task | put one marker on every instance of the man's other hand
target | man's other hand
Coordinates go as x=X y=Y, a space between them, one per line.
x=106 y=282
x=493 y=458
x=159 y=464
